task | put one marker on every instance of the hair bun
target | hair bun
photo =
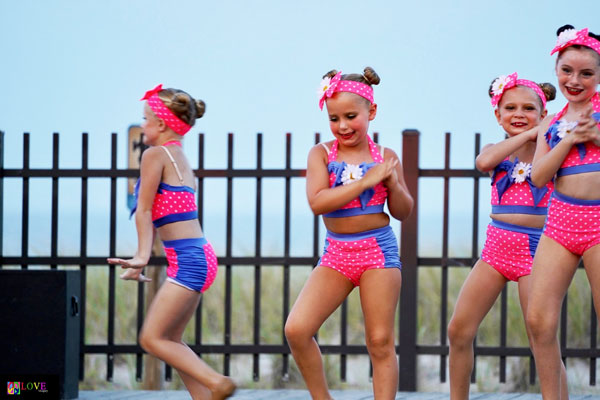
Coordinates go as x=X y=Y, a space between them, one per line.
x=564 y=28
x=330 y=74
x=371 y=76
x=549 y=90
x=597 y=37
x=200 y=108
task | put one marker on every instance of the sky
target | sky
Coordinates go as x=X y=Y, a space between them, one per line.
x=81 y=66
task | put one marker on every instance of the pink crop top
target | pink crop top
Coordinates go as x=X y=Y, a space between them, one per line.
x=583 y=157
x=171 y=203
x=514 y=193
x=370 y=201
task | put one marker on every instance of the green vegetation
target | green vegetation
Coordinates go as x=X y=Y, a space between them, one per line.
x=271 y=332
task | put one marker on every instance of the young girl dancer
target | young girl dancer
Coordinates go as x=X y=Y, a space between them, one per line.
x=165 y=199
x=518 y=213
x=348 y=180
x=567 y=148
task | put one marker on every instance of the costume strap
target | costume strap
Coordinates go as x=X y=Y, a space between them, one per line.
x=173 y=162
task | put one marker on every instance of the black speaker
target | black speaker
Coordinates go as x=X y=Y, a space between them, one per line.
x=40 y=330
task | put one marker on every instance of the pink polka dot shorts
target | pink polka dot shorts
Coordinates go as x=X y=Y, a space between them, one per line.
x=192 y=263
x=353 y=254
x=574 y=223
x=509 y=248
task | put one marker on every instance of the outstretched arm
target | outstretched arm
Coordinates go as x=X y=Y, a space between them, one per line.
x=151 y=175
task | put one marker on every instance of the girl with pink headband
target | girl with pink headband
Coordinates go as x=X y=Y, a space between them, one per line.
x=567 y=150
x=518 y=213
x=166 y=205
x=348 y=180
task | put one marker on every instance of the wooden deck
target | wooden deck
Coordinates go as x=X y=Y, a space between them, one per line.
x=250 y=394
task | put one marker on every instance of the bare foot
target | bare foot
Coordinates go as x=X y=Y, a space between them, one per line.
x=224 y=389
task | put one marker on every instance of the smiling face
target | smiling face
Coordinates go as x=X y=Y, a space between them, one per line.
x=519 y=110
x=349 y=116
x=578 y=72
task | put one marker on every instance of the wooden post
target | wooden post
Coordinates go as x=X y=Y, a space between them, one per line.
x=408 y=255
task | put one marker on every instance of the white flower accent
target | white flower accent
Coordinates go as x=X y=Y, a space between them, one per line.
x=323 y=86
x=498 y=84
x=351 y=173
x=565 y=127
x=566 y=36
x=521 y=171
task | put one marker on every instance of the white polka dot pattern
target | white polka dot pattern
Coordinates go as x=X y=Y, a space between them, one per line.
x=508 y=252
x=510 y=82
x=581 y=37
x=519 y=194
x=337 y=85
x=172 y=202
x=380 y=190
x=162 y=112
x=592 y=152
x=352 y=258
x=358 y=88
x=575 y=226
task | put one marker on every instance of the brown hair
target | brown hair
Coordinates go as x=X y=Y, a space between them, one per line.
x=547 y=88
x=184 y=106
x=577 y=46
x=369 y=76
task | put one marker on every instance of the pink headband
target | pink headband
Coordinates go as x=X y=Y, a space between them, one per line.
x=503 y=83
x=329 y=86
x=162 y=112
x=570 y=37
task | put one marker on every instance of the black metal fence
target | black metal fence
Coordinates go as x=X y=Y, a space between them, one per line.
x=408 y=348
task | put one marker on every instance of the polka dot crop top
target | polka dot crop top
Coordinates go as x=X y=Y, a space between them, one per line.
x=171 y=203
x=370 y=201
x=583 y=157
x=514 y=193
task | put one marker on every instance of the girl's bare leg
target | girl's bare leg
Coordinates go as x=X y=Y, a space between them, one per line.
x=322 y=294
x=477 y=296
x=553 y=270
x=379 y=293
x=524 y=287
x=169 y=313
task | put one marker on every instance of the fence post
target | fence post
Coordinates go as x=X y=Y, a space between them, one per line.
x=408 y=255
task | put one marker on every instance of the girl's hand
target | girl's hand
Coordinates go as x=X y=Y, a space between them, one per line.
x=381 y=173
x=132 y=274
x=586 y=129
x=135 y=262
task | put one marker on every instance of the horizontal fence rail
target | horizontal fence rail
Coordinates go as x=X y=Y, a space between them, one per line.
x=408 y=347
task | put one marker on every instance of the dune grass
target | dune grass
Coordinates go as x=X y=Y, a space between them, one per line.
x=271 y=332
